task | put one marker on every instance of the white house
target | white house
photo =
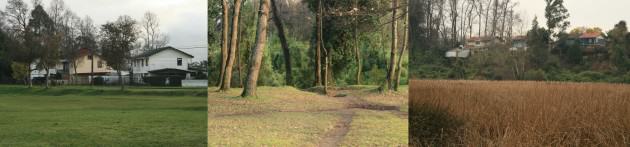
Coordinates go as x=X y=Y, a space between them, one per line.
x=459 y=52
x=166 y=62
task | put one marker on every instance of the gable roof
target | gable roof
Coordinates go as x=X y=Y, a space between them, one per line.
x=590 y=35
x=155 y=51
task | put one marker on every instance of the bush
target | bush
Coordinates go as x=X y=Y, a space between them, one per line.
x=535 y=75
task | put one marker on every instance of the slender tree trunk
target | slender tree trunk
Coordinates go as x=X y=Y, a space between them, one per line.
x=30 y=76
x=121 y=81
x=227 y=80
x=47 y=77
x=283 y=42
x=392 y=58
x=225 y=42
x=357 y=51
x=92 y=70
x=257 y=52
x=318 y=52
x=402 y=52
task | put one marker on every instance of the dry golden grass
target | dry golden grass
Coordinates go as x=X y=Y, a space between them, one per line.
x=510 y=113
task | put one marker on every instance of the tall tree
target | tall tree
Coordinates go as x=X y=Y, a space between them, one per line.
x=87 y=39
x=43 y=38
x=318 y=48
x=258 y=50
x=225 y=42
x=402 y=50
x=392 y=59
x=620 y=46
x=153 y=38
x=227 y=79
x=417 y=32
x=17 y=12
x=538 y=39
x=283 y=42
x=117 y=42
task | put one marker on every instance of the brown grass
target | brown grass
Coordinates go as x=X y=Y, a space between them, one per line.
x=490 y=113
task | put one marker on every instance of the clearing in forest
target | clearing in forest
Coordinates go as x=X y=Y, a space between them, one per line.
x=285 y=116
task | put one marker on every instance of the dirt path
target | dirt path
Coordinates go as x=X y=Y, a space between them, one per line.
x=335 y=136
x=353 y=102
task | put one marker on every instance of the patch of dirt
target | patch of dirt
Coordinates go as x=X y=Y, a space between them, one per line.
x=335 y=136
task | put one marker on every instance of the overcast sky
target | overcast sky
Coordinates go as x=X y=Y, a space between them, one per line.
x=589 y=13
x=183 y=20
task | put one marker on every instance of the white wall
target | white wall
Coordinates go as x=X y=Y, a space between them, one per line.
x=162 y=60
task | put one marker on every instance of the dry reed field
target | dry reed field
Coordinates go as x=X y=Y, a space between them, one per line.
x=511 y=113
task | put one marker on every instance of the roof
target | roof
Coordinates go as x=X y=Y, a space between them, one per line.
x=479 y=38
x=155 y=51
x=590 y=35
x=519 y=38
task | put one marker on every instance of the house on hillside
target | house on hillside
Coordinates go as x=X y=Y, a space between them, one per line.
x=162 y=66
x=519 y=43
x=480 y=44
x=459 y=52
x=592 y=42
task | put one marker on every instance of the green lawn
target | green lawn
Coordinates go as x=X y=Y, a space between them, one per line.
x=81 y=116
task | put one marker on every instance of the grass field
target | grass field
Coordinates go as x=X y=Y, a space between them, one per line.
x=285 y=116
x=81 y=116
x=489 y=113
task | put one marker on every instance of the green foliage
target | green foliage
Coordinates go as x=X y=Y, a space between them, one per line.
x=619 y=45
x=117 y=40
x=535 y=75
x=538 y=41
x=556 y=15
x=20 y=71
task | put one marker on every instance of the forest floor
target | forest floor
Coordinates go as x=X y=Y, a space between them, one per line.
x=102 y=116
x=285 y=116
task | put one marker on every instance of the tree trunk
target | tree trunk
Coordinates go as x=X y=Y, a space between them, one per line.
x=120 y=80
x=392 y=58
x=257 y=52
x=402 y=52
x=357 y=51
x=91 y=70
x=227 y=79
x=283 y=42
x=30 y=76
x=318 y=52
x=225 y=41
x=47 y=77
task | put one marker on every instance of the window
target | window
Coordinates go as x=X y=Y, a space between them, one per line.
x=100 y=64
x=179 y=61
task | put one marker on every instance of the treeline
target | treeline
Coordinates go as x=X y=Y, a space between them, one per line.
x=553 y=53
x=309 y=43
x=46 y=36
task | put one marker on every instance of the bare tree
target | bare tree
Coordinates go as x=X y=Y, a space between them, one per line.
x=153 y=38
x=257 y=52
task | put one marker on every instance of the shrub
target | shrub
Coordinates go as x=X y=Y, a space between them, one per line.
x=535 y=75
